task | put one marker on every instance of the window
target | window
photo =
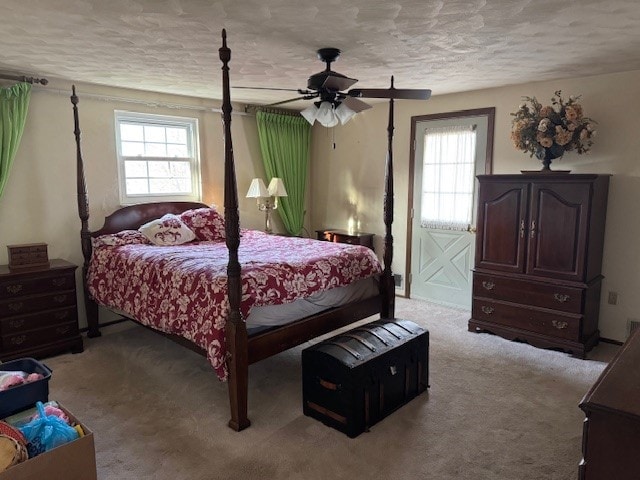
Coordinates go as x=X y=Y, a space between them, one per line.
x=448 y=177
x=158 y=158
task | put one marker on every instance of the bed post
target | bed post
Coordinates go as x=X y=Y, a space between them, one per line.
x=91 y=307
x=387 y=286
x=236 y=329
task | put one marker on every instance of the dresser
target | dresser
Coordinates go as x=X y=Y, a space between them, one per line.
x=611 y=432
x=344 y=236
x=38 y=312
x=537 y=275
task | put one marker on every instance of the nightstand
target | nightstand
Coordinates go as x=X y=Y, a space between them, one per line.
x=343 y=236
x=38 y=312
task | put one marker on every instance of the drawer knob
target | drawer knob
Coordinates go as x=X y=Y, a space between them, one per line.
x=16 y=307
x=15 y=324
x=63 y=330
x=487 y=310
x=560 y=297
x=61 y=315
x=58 y=282
x=559 y=325
x=19 y=340
x=59 y=298
x=14 y=288
x=488 y=285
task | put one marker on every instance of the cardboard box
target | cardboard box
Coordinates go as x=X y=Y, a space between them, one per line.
x=72 y=461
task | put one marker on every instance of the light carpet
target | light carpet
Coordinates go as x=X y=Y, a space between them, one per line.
x=495 y=410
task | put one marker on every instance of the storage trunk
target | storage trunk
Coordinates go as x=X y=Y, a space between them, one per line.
x=357 y=378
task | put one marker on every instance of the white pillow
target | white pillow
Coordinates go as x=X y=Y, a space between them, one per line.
x=168 y=230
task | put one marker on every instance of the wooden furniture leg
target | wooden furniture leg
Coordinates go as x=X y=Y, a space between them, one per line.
x=238 y=366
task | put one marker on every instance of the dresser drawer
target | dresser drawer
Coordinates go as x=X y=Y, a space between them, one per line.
x=555 y=297
x=12 y=288
x=535 y=320
x=37 y=320
x=36 y=303
x=42 y=336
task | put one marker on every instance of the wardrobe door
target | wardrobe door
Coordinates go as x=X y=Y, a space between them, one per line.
x=501 y=234
x=558 y=228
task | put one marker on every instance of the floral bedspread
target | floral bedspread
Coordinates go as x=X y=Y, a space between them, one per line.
x=183 y=289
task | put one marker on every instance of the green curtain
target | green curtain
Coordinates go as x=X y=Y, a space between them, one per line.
x=284 y=143
x=14 y=103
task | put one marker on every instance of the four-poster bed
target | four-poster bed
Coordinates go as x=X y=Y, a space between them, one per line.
x=242 y=347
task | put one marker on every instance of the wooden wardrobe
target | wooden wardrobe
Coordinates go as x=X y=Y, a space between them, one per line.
x=537 y=273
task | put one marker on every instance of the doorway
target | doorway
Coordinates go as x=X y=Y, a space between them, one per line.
x=448 y=151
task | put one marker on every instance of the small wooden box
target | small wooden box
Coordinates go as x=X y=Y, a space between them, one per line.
x=27 y=255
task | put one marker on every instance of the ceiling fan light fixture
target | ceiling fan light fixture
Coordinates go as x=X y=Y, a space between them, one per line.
x=310 y=114
x=326 y=115
x=344 y=113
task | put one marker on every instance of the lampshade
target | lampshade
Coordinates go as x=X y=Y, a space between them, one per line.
x=257 y=189
x=276 y=188
x=310 y=113
x=326 y=115
x=344 y=113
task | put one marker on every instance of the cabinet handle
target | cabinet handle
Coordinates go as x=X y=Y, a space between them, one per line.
x=14 y=288
x=19 y=340
x=487 y=310
x=16 y=307
x=533 y=228
x=521 y=228
x=61 y=315
x=60 y=298
x=16 y=323
x=560 y=297
x=58 y=282
x=488 y=285
x=559 y=325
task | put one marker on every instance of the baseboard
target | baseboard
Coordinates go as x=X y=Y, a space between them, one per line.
x=609 y=340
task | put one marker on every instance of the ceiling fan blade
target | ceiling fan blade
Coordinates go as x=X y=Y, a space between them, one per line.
x=395 y=93
x=305 y=97
x=338 y=83
x=355 y=104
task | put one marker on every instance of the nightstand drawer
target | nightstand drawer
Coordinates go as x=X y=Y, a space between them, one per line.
x=555 y=297
x=31 y=338
x=36 y=303
x=542 y=321
x=27 y=286
x=38 y=310
x=37 y=320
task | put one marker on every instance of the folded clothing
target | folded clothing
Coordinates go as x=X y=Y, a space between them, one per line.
x=11 y=379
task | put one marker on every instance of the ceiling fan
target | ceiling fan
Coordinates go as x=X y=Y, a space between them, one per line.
x=334 y=104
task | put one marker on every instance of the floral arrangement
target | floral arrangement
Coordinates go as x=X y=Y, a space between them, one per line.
x=551 y=130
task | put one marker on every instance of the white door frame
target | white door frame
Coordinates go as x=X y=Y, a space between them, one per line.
x=490 y=113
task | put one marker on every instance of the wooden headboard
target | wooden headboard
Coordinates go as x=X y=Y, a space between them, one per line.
x=133 y=216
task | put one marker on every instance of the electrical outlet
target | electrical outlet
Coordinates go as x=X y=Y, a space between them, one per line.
x=397 y=279
x=613 y=298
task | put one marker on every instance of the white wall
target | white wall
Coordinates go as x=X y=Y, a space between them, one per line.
x=355 y=170
x=40 y=204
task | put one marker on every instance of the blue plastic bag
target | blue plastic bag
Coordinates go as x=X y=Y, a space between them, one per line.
x=46 y=432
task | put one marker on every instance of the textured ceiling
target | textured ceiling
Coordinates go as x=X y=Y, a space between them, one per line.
x=448 y=45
